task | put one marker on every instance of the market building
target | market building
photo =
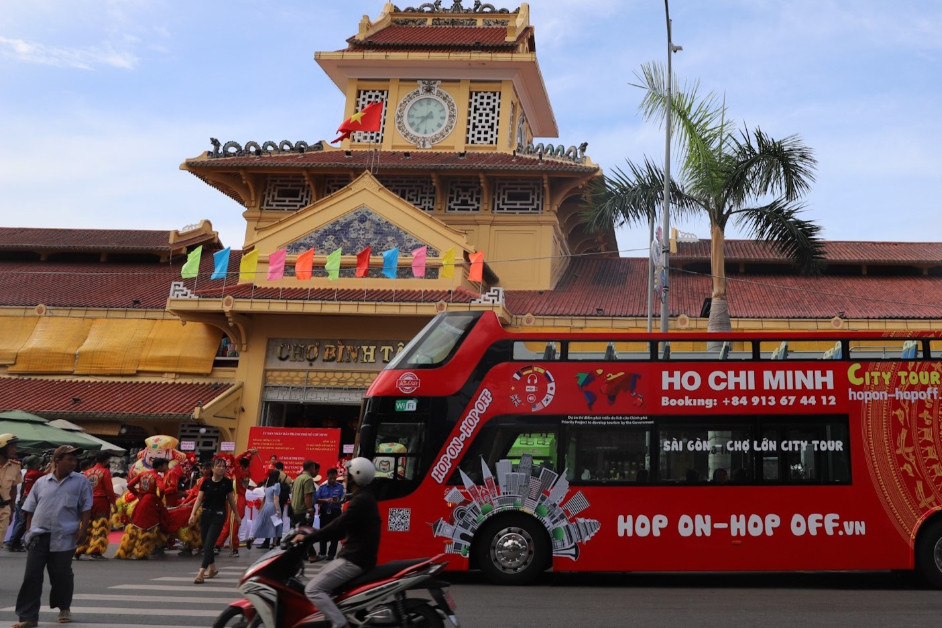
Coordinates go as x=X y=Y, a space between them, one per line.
x=100 y=328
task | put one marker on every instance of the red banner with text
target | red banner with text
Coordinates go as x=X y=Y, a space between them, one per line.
x=293 y=445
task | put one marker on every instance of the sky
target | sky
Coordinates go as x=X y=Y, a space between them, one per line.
x=101 y=100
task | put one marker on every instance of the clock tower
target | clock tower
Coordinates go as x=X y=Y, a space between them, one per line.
x=463 y=99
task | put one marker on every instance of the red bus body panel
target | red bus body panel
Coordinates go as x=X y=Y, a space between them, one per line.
x=895 y=443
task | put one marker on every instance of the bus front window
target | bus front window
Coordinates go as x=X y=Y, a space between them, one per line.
x=435 y=344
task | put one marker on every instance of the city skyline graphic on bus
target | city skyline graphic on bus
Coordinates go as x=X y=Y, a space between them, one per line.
x=525 y=487
x=609 y=386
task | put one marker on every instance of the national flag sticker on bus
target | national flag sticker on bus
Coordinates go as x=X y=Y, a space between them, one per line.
x=408 y=383
x=533 y=386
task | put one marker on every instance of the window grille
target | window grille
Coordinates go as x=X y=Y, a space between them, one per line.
x=464 y=195
x=483 y=117
x=335 y=182
x=420 y=191
x=518 y=196
x=287 y=192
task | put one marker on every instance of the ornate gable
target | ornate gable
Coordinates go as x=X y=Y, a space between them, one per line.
x=364 y=213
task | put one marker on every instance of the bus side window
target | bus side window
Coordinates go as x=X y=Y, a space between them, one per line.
x=608 y=453
x=506 y=441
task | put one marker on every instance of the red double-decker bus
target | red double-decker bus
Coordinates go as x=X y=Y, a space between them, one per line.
x=758 y=451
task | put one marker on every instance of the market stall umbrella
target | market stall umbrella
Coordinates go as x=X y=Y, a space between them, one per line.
x=35 y=435
x=62 y=424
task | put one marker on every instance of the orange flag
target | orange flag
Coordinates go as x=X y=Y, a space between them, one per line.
x=363 y=262
x=370 y=118
x=304 y=265
x=477 y=267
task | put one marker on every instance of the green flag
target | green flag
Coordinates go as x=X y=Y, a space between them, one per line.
x=192 y=265
x=333 y=265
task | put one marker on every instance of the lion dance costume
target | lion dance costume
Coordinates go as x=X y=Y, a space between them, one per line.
x=144 y=534
x=103 y=500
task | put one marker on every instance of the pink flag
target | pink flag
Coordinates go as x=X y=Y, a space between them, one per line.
x=276 y=265
x=418 y=261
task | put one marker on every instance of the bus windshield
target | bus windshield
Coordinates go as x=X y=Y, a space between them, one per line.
x=437 y=342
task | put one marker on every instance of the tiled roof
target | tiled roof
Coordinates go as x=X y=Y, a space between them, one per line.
x=439 y=38
x=835 y=251
x=619 y=287
x=422 y=160
x=105 y=285
x=384 y=295
x=616 y=285
x=98 y=240
x=141 y=400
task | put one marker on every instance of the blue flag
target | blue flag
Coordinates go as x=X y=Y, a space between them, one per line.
x=391 y=262
x=220 y=264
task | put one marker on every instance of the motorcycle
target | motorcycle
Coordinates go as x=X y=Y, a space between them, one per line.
x=274 y=594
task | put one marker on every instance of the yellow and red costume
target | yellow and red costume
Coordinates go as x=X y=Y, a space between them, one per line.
x=171 y=484
x=179 y=515
x=144 y=533
x=103 y=500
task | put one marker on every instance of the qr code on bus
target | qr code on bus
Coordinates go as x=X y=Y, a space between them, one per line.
x=399 y=519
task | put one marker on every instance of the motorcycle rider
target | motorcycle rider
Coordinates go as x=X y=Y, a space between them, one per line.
x=359 y=527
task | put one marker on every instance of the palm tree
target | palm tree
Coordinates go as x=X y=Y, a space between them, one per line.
x=745 y=176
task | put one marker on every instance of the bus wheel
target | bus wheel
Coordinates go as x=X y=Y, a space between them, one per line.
x=512 y=549
x=929 y=554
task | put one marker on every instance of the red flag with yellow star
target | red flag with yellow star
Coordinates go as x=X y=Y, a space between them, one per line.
x=370 y=118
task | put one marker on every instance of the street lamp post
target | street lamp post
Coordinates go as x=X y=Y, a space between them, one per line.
x=665 y=218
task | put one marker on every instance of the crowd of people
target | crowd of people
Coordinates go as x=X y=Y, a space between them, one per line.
x=169 y=503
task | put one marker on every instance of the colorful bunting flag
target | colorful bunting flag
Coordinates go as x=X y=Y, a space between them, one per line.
x=276 y=265
x=248 y=266
x=448 y=263
x=192 y=265
x=418 y=261
x=391 y=262
x=363 y=262
x=477 y=267
x=370 y=118
x=333 y=265
x=220 y=264
x=304 y=265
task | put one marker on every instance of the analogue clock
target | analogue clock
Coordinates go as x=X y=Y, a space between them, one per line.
x=426 y=115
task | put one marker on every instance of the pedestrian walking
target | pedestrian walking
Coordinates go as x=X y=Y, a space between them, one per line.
x=58 y=510
x=329 y=498
x=215 y=492
x=265 y=527
x=302 y=495
x=33 y=473
x=10 y=478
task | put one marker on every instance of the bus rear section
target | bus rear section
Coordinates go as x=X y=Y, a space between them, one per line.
x=516 y=454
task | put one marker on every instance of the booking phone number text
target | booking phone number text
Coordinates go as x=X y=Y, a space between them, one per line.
x=750 y=401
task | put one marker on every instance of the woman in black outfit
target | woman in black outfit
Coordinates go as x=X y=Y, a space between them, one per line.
x=215 y=491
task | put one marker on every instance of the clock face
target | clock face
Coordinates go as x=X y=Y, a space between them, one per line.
x=426 y=116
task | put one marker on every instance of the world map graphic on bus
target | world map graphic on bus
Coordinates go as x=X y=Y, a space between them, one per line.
x=527 y=487
x=608 y=386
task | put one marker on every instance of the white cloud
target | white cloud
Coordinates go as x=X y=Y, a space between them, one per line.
x=79 y=58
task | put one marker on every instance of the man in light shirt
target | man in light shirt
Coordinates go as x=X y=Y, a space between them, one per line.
x=58 y=510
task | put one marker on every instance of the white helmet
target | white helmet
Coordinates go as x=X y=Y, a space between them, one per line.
x=6 y=439
x=361 y=470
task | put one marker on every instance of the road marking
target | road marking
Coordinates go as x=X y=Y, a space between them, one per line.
x=170 y=587
x=187 y=579
x=132 y=612
x=161 y=599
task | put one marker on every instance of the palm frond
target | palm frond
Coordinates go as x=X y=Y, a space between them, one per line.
x=769 y=166
x=778 y=224
x=633 y=196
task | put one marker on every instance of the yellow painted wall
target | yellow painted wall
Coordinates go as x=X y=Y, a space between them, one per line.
x=252 y=368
